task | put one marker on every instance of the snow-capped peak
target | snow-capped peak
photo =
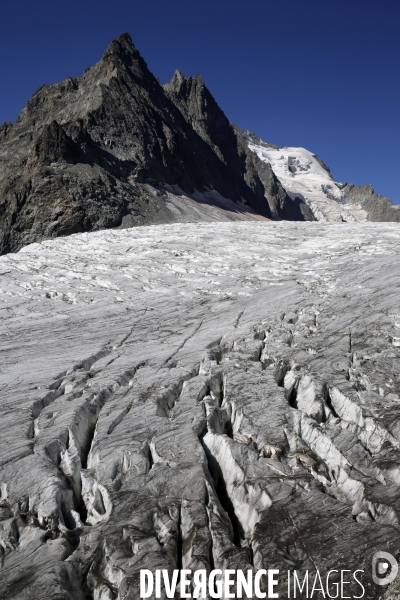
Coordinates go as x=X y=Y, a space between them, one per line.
x=305 y=176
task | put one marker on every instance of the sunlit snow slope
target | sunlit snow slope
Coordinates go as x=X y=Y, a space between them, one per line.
x=303 y=176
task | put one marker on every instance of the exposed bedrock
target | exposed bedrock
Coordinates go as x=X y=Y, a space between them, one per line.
x=379 y=208
x=220 y=396
x=114 y=148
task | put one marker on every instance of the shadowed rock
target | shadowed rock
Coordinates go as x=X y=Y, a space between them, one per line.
x=80 y=151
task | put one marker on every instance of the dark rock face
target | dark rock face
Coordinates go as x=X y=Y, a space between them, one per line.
x=77 y=156
x=200 y=109
x=281 y=205
x=81 y=153
x=203 y=114
x=379 y=208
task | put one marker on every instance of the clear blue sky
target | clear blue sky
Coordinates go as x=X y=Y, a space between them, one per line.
x=323 y=74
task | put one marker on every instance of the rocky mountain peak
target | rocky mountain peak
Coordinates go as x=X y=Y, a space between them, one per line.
x=122 y=51
x=82 y=151
x=177 y=81
x=198 y=106
x=121 y=46
x=188 y=87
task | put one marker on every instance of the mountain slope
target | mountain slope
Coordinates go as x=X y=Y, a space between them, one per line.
x=379 y=208
x=79 y=153
x=201 y=111
x=306 y=177
x=115 y=148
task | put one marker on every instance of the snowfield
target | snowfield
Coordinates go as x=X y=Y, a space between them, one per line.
x=199 y=396
x=302 y=176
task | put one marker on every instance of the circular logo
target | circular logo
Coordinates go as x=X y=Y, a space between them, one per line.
x=384 y=568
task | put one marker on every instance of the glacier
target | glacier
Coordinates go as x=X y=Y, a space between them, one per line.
x=198 y=396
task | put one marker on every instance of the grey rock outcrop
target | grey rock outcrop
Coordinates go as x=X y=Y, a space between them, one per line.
x=79 y=153
x=379 y=208
x=282 y=206
x=97 y=151
x=203 y=114
x=323 y=164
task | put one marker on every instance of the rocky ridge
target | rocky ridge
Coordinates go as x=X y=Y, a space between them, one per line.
x=94 y=152
x=308 y=181
x=114 y=148
x=379 y=208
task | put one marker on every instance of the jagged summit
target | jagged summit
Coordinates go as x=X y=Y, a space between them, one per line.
x=82 y=151
x=122 y=55
x=199 y=108
x=122 y=47
x=180 y=84
x=177 y=81
x=117 y=128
